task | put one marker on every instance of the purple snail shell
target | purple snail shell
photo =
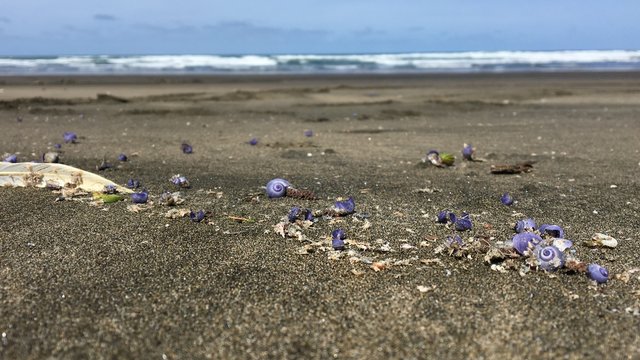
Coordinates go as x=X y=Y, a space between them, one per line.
x=597 y=273
x=454 y=241
x=467 y=152
x=293 y=213
x=277 y=188
x=253 y=142
x=13 y=158
x=525 y=225
x=550 y=258
x=140 y=197
x=70 y=137
x=345 y=207
x=506 y=199
x=308 y=133
x=186 y=148
x=180 y=180
x=196 y=216
x=123 y=157
x=133 y=184
x=463 y=224
x=442 y=217
x=551 y=230
x=338 y=234
x=308 y=215
x=521 y=241
x=337 y=244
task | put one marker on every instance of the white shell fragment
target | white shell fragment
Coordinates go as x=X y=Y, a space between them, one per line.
x=602 y=240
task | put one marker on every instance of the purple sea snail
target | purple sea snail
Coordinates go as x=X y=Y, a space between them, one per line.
x=597 y=273
x=345 y=207
x=140 y=197
x=277 y=188
x=521 y=241
x=525 y=225
x=180 y=180
x=506 y=199
x=186 y=148
x=196 y=216
x=551 y=230
x=550 y=258
x=337 y=241
x=70 y=137
x=13 y=158
x=467 y=152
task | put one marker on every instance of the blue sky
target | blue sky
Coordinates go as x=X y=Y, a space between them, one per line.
x=46 y=27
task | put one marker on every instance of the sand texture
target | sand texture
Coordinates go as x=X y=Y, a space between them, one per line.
x=79 y=280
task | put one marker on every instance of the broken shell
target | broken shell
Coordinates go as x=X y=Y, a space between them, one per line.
x=562 y=244
x=521 y=241
x=551 y=230
x=602 y=240
x=180 y=180
x=11 y=158
x=51 y=157
x=345 y=207
x=525 y=225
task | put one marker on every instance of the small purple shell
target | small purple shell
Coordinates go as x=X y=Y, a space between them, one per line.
x=70 y=137
x=13 y=158
x=186 y=148
x=521 y=241
x=277 y=188
x=463 y=224
x=293 y=213
x=337 y=244
x=308 y=133
x=122 y=157
x=597 y=273
x=442 y=217
x=180 y=180
x=196 y=216
x=253 y=142
x=133 y=184
x=109 y=189
x=525 y=225
x=308 y=215
x=140 y=197
x=506 y=199
x=550 y=258
x=551 y=230
x=467 y=152
x=345 y=207
x=338 y=234
x=454 y=241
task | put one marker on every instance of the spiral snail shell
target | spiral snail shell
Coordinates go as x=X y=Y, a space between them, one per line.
x=277 y=188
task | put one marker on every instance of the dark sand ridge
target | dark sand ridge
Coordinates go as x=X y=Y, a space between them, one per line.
x=79 y=281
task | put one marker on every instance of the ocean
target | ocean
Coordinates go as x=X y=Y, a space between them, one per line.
x=436 y=62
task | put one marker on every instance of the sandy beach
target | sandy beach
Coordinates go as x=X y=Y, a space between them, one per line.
x=79 y=280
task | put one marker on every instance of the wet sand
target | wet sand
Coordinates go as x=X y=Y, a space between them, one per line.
x=83 y=281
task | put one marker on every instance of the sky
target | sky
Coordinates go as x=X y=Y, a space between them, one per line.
x=91 y=27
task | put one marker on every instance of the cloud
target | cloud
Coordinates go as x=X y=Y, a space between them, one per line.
x=104 y=17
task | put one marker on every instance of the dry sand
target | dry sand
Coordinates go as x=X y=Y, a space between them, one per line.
x=80 y=281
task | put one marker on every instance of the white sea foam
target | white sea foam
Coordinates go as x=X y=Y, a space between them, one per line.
x=425 y=62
